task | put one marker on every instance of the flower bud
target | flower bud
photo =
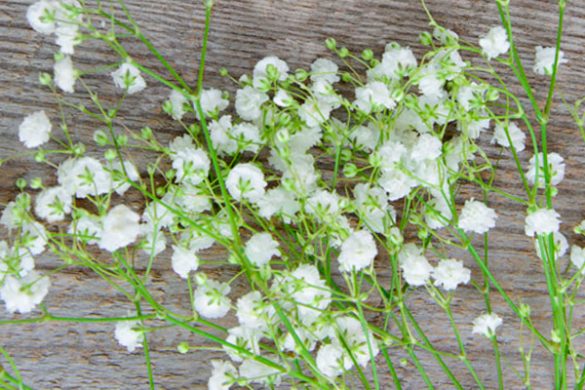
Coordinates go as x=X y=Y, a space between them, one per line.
x=331 y=44
x=367 y=54
x=100 y=138
x=343 y=52
x=36 y=183
x=350 y=170
x=45 y=79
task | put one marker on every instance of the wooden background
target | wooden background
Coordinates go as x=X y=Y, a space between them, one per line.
x=73 y=356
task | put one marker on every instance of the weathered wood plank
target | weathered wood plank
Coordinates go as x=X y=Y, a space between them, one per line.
x=69 y=356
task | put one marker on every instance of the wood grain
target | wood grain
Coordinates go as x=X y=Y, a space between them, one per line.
x=74 y=356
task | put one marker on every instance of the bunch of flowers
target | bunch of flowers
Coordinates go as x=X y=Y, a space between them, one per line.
x=315 y=182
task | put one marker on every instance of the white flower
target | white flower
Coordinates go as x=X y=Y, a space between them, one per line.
x=249 y=103
x=561 y=246
x=324 y=70
x=282 y=98
x=34 y=129
x=243 y=337
x=578 y=257
x=84 y=176
x=416 y=269
x=154 y=241
x=128 y=336
x=450 y=273
x=120 y=228
x=396 y=61
x=247 y=136
x=65 y=74
x=477 y=217
x=556 y=169
x=352 y=332
x=330 y=360
x=220 y=133
x=260 y=248
x=517 y=136
x=40 y=16
x=246 y=181
x=212 y=101
x=486 y=324
x=119 y=178
x=87 y=229
x=544 y=60
x=260 y=72
x=278 y=201
x=495 y=42
x=396 y=183
x=358 y=251
x=36 y=237
x=306 y=288
x=210 y=299
x=438 y=213
x=542 y=221
x=257 y=372
x=191 y=163
x=183 y=261
x=23 y=294
x=374 y=95
x=250 y=311
x=314 y=112
x=178 y=102
x=52 y=204
x=223 y=375
x=427 y=147
x=431 y=86
x=128 y=77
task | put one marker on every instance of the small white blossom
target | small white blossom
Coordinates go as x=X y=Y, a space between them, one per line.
x=52 y=204
x=324 y=70
x=128 y=335
x=257 y=372
x=517 y=136
x=260 y=248
x=183 y=261
x=65 y=74
x=374 y=95
x=486 y=324
x=178 y=102
x=120 y=228
x=250 y=311
x=450 y=273
x=578 y=257
x=41 y=16
x=249 y=103
x=212 y=101
x=23 y=294
x=415 y=267
x=330 y=360
x=542 y=221
x=246 y=181
x=495 y=42
x=260 y=72
x=211 y=300
x=477 y=217
x=556 y=169
x=128 y=78
x=223 y=375
x=34 y=129
x=84 y=176
x=358 y=251
x=544 y=60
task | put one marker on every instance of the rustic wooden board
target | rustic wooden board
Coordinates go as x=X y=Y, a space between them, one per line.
x=72 y=356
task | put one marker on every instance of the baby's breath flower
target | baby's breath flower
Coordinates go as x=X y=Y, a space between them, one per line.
x=325 y=70
x=246 y=181
x=35 y=129
x=544 y=60
x=249 y=103
x=556 y=169
x=542 y=221
x=357 y=251
x=495 y=42
x=516 y=135
x=450 y=273
x=41 y=16
x=22 y=294
x=120 y=228
x=373 y=96
x=183 y=261
x=261 y=70
x=178 y=102
x=128 y=78
x=486 y=324
x=210 y=299
x=52 y=204
x=65 y=74
x=477 y=217
x=578 y=257
x=260 y=248
x=128 y=335
x=223 y=375
x=415 y=267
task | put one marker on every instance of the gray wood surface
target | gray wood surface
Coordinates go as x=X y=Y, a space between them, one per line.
x=86 y=356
